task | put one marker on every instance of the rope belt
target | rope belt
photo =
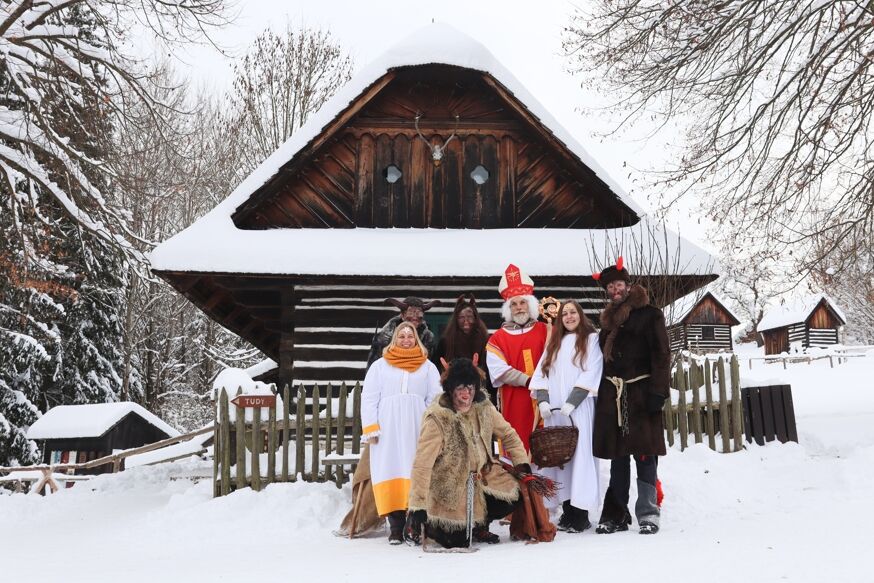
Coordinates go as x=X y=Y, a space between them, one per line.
x=622 y=399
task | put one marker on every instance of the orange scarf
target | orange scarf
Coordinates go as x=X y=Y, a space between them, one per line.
x=408 y=359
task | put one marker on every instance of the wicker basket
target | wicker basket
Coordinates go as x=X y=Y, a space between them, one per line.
x=554 y=446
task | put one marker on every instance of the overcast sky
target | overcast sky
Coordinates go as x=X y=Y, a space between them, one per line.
x=524 y=36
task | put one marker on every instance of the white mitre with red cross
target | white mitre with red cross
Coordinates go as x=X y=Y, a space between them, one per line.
x=515 y=283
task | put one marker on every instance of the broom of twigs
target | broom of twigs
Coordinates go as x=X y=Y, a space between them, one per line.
x=544 y=486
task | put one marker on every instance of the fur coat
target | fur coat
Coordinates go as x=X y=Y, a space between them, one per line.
x=634 y=341
x=451 y=445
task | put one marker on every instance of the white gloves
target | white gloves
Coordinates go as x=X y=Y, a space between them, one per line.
x=544 y=410
x=567 y=409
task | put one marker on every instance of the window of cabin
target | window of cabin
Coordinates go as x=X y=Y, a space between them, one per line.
x=708 y=333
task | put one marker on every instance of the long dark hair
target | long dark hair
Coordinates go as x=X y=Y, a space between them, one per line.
x=559 y=331
x=451 y=335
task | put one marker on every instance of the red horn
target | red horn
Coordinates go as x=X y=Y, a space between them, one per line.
x=619 y=264
x=596 y=276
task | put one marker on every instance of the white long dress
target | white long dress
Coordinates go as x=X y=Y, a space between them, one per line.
x=580 y=478
x=392 y=404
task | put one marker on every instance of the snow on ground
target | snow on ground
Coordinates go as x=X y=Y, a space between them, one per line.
x=794 y=512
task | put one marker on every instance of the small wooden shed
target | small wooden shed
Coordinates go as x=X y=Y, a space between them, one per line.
x=813 y=320
x=700 y=324
x=80 y=433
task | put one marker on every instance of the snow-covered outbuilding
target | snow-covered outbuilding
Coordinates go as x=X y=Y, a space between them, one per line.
x=700 y=323
x=80 y=433
x=426 y=174
x=812 y=320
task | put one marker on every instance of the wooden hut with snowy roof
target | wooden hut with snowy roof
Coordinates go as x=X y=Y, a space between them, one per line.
x=700 y=323
x=81 y=433
x=426 y=175
x=811 y=320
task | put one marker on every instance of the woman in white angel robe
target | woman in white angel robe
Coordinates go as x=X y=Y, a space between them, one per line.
x=567 y=378
x=397 y=389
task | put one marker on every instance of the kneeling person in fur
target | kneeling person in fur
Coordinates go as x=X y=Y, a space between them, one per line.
x=455 y=451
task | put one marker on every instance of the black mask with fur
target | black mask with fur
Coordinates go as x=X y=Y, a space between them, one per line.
x=456 y=342
x=462 y=371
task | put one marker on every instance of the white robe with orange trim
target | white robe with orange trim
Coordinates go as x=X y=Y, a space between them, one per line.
x=392 y=404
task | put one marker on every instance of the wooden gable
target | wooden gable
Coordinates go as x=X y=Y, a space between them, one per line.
x=709 y=310
x=823 y=316
x=339 y=180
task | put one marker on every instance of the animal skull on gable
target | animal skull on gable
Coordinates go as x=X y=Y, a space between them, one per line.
x=438 y=150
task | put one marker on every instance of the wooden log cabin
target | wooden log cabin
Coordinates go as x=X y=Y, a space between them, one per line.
x=813 y=320
x=700 y=324
x=81 y=433
x=427 y=174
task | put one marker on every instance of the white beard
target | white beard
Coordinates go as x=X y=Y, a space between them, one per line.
x=521 y=319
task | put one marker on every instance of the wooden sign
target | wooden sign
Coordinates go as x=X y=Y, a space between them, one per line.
x=244 y=401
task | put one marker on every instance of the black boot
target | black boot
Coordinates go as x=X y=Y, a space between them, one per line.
x=396 y=522
x=573 y=519
x=481 y=534
x=566 y=520
x=609 y=526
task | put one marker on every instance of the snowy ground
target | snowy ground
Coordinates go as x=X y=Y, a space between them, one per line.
x=774 y=513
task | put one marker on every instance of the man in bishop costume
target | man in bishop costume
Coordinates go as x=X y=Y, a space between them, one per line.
x=512 y=353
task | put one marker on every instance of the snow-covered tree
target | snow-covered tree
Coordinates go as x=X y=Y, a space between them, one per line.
x=777 y=98
x=65 y=241
x=282 y=80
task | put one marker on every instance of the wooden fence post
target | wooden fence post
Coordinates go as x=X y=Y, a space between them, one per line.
x=682 y=413
x=216 y=450
x=723 y=408
x=240 y=423
x=329 y=417
x=315 y=434
x=668 y=412
x=286 y=395
x=341 y=434
x=300 y=433
x=226 y=443
x=257 y=441
x=694 y=384
x=271 y=442
x=708 y=393
x=736 y=405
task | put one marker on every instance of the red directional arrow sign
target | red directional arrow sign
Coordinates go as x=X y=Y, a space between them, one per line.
x=244 y=401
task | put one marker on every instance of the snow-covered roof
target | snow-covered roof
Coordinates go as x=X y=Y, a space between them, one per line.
x=76 y=421
x=220 y=247
x=795 y=311
x=677 y=311
x=214 y=244
x=262 y=367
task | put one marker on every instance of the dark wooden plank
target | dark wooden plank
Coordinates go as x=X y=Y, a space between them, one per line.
x=364 y=180
x=789 y=413
x=767 y=414
x=420 y=169
x=756 y=415
x=471 y=201
x=286 y=336
x=450 y=168
x=382 y=194
x=329 y=374
x=400 y=190
x=747 y=409
x=777 y=406
x=506 y=183
x=490 y=217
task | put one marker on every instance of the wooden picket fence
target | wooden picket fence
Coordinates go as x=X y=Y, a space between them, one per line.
x=285 y=430
x=718 y=412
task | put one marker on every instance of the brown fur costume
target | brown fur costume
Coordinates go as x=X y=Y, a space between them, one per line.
x=451 y=445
